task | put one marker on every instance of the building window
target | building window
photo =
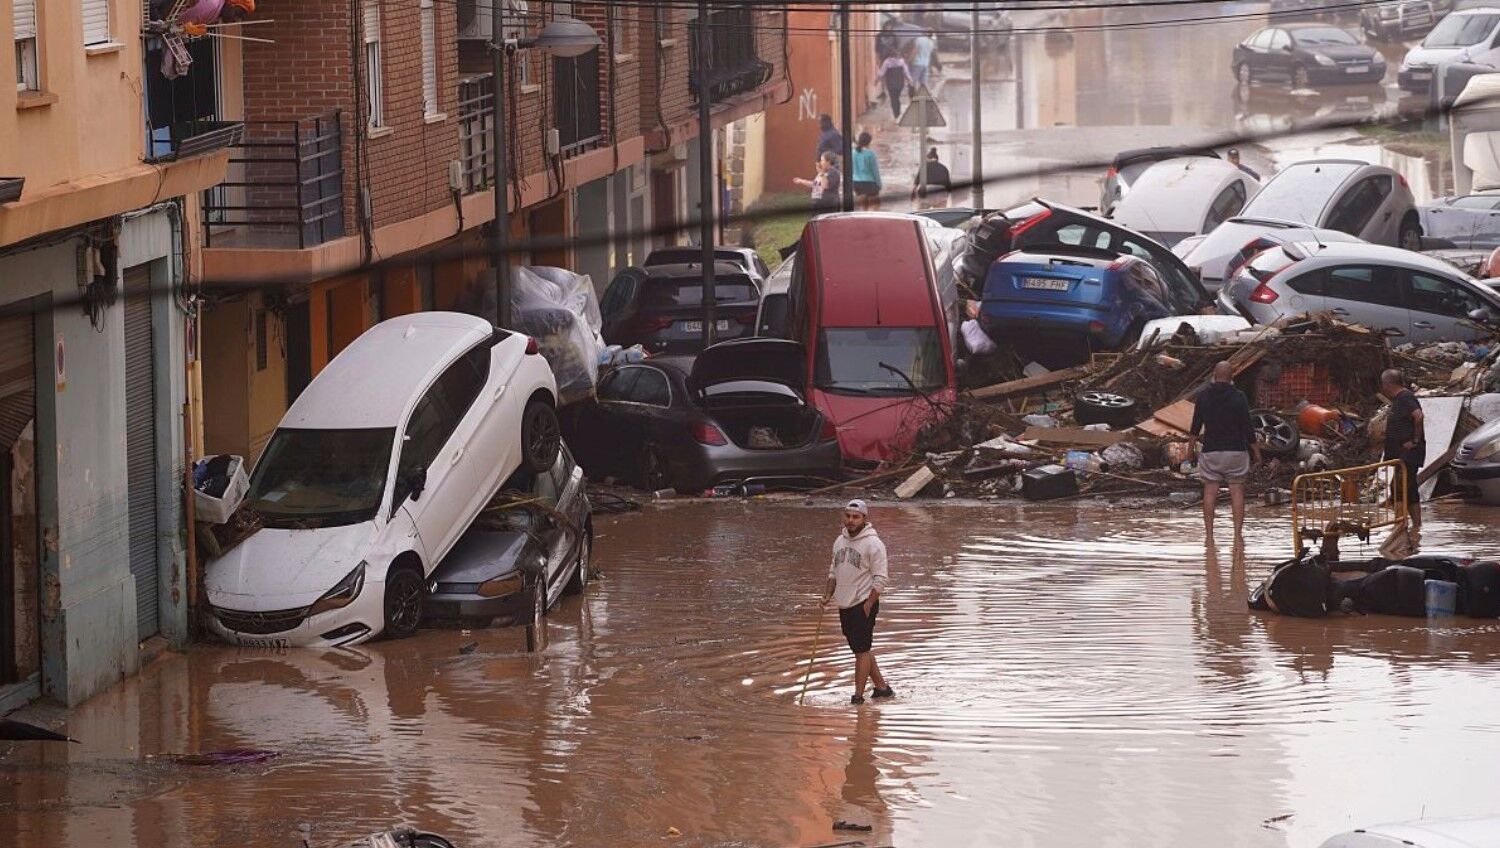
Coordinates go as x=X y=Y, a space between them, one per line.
x=429 y=59
x=517 y=16
x=617 y=29
x=374 y=95
x=95 y=22
x=23 y=15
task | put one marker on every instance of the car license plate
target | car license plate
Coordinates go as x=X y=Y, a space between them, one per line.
x=1044 y=284
x=263 y=644
x=1421 y=75
x=697 y=326
x=1357 y=69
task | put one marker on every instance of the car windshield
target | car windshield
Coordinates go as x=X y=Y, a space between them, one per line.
x=852 y=360
x=1319 y=36
x=1461 y=30
x=321 y=478
x=666 y=294
x=1300 y=192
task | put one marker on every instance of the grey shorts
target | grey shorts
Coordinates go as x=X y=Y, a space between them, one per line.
x=1224 y=466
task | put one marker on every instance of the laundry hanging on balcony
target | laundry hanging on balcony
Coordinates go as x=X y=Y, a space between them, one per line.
x=180 y=20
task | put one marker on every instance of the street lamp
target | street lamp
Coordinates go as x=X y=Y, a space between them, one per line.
x=563 y=37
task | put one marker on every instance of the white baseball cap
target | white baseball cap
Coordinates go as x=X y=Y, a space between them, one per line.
x=858 y=506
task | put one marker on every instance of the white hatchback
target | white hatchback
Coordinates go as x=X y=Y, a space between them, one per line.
x=374 y=473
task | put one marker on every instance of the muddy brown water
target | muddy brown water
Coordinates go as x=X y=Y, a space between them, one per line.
x=1067 y=675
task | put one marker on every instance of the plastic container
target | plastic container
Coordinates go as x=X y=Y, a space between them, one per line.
x=1442 y=598
x=1082 y=460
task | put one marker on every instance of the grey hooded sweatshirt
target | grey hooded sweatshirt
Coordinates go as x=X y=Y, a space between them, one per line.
x=858 y=566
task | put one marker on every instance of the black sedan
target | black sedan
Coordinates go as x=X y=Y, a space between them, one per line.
x=1306 y=54
x=737 y=414
x=529 y=547
x=661 y=307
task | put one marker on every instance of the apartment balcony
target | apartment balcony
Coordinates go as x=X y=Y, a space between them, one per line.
x=734 y=67
x=577 y=117
x=284 y=189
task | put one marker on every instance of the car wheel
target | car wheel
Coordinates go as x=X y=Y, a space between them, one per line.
x=540 y=436
x=1299 y=77
x=1243 y=74
x=580 y=579
x=403 y=603
x=1411 y=235
x=1096 y=407
x=1278 y=434
x=653 y=469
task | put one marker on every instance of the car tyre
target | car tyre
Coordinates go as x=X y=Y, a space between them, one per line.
x=1279 y=434
x=1096 y=407
x=580 y=579
x=1299 y=77
x=403 y=603
x=540 y=436
x=1243 y=74
x=1410 y=237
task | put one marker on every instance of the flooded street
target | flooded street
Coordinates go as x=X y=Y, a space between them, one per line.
x=1065 y=675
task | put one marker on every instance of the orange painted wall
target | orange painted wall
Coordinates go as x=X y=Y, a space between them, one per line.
x=338 y=312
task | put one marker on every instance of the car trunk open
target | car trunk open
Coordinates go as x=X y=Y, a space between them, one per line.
x=752 y=389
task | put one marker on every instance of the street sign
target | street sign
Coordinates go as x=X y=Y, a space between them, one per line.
x=922 y=112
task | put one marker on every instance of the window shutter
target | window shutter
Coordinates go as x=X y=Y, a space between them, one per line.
x=24 y=16
x=370 y=10
x=429 y=59
x=95 y=21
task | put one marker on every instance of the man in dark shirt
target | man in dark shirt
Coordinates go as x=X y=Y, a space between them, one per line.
x=1221 y=414
x=1405 y=440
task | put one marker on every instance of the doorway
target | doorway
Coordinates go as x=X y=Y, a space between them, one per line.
x=20 y=642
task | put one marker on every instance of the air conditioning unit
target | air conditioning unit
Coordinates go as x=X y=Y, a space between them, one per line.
x=474 y=20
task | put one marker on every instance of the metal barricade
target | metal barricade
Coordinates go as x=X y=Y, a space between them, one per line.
x=1348 y=500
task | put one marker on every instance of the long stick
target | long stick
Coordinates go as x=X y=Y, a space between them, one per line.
x=807 y=675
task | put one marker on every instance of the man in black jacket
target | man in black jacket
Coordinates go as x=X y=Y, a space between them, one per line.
x=1221 y=414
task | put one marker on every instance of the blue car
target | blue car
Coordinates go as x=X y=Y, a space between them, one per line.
x=1057 y=303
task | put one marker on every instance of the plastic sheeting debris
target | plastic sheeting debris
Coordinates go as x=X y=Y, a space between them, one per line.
x=560 y=310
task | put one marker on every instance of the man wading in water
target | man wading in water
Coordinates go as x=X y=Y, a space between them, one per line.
x=855 y=580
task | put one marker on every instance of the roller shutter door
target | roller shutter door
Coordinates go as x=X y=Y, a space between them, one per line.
x=140 y=446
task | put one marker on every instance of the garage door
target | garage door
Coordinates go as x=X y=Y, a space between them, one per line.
x=17 y=378
x=140 y=445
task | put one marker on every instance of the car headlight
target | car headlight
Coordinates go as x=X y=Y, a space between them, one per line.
x=1323 y=60
x=499 y=587
x=342 y=594
x=1486 y=451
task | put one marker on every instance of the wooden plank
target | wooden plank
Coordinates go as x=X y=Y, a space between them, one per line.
x=1026 y=385
x=1072 y=436
x=1178 y=416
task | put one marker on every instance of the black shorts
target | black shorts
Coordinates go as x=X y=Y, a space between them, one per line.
x=859 y=629
x=1413 y=460
x=865 y=189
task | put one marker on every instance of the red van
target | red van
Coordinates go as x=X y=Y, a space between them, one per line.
x=864 y=301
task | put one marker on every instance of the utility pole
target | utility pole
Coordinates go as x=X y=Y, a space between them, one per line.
x=1015 y=60
x=846 y=97
x=706 y=172
x=500 y=182
x=976 y=176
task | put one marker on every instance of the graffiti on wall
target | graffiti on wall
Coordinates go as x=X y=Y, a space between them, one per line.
x=807 y=105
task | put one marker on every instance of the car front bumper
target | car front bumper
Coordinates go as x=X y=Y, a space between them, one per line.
x=695 y=467
x=451 y=606
x=1483 y=476
x=358 y=622
x=1416 y=80
x=1058 y=318
x=1339 y=74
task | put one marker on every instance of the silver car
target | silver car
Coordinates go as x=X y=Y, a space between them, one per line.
x=1220 y=253
x=1477 y=464
x=1469 y=221
x=1372 y=202
x=1383 y=288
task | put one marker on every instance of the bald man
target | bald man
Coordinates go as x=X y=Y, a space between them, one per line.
x=1221 y=418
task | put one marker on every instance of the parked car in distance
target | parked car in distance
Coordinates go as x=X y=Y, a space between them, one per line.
x=1437 y=833
x=1476 y=466
x=1372 y=202
x=1383 y=288
x=1058 y=303
x=865 y=304
x=1469 y=221
x=517 y=566
x=1467 y=35
x=737 y=412
x=661 y=307
x=770 y=316
x=1304 y=55
x=1218 y=254
x=1177 y=198
x=744 y=257
x=1128 y=165
x=1038 y=222
x=373 y=474
x=1398 y=19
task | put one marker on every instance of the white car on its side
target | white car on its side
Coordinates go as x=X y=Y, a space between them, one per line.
x=1481 y=832
x=1217 y=255
x=374 y=473
x=1183 y=197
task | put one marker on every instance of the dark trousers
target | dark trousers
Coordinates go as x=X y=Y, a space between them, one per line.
x=894 y=90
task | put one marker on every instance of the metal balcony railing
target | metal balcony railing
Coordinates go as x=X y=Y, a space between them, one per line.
x=734 y=67
x=575 y=97
x=476 y=115
x=285 y=186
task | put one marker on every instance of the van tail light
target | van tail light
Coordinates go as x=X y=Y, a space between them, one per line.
x=1111 y=173
x=1096 y=327
x=705 y=433
x=531 y=346
x=828 y=432
x=1264 y=294
x=1017 y=230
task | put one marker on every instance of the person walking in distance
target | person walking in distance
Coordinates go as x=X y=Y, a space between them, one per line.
x=865 y=172
x=1221 y=414
x=1234 y=159
x=1405 y=440
x=830 y=140
x=896 y=76
x=856 y=579
x=922 y=50
x=825 y=188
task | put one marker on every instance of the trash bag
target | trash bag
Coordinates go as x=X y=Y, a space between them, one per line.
x=1479 y=593
x=560 y=310
x=1398 y=590
x=1299 y=587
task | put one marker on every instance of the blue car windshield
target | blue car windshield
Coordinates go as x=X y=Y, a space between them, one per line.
x=321 y=478
x=851 y=360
